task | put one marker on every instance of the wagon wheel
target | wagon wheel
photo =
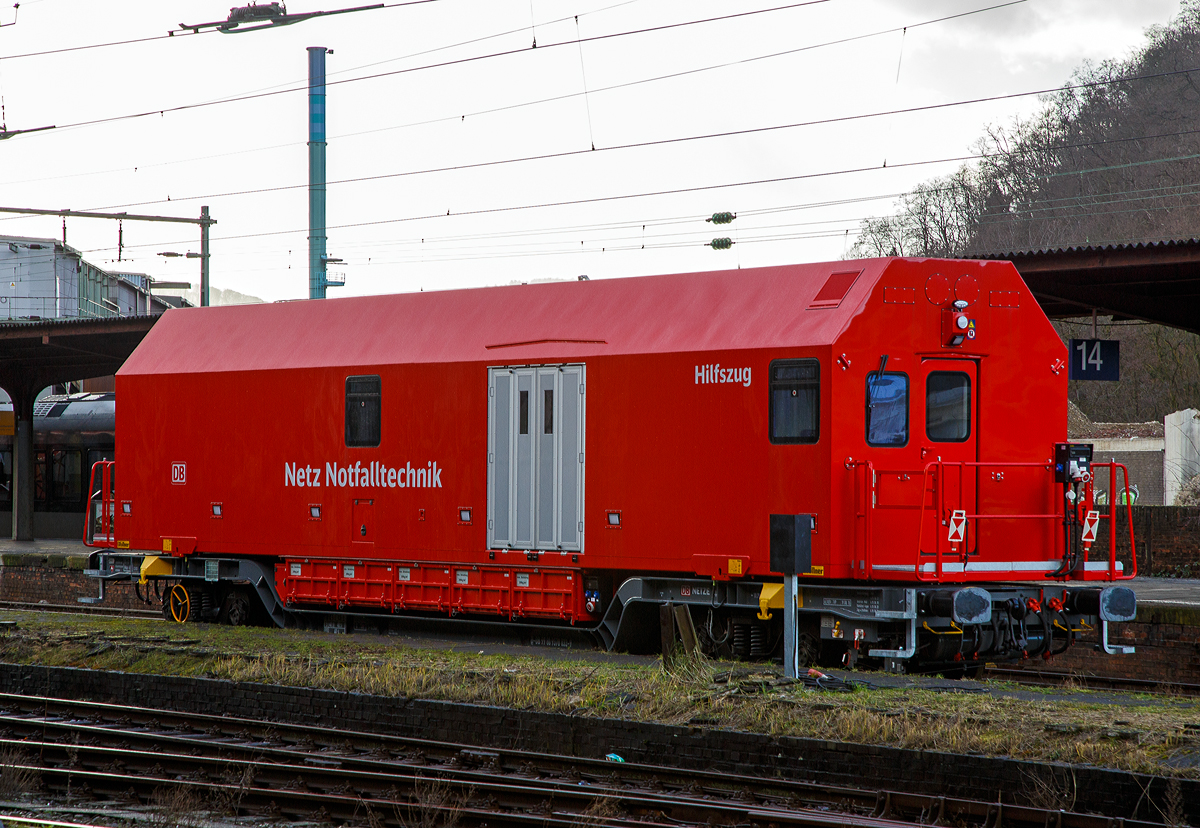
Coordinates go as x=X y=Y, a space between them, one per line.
x=178 y=604
x=808 y=649
x=236 y=610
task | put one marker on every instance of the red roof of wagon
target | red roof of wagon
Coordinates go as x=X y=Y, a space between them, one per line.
x=732 y=309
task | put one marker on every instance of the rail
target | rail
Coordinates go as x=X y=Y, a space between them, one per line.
x=99 y=523
x=280 y=766
x=945 y=509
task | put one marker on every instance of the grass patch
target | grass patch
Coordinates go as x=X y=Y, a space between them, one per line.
x=17 y=779
x=1145 y=734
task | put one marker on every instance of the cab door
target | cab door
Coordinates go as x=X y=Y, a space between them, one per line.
x=948 y=433
x=921 y=441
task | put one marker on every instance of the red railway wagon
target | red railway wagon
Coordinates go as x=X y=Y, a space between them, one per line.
x=577 y=454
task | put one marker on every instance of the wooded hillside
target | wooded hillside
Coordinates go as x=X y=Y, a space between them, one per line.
x=1113 y=157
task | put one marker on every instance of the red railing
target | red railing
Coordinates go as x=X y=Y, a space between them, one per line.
x=1111 y=518
x=99 y=522
x=865 y=504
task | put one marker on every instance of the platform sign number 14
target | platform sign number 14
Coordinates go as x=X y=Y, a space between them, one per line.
x=1095 y=359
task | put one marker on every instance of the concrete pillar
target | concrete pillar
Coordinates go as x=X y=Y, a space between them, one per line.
x=22 y=471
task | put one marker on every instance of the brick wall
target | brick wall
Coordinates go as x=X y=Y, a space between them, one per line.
x=1168 y=539
x=1112 y=793
x=1171 y=535
x=1145 y=471
x=1167 y=641
x=59 y=579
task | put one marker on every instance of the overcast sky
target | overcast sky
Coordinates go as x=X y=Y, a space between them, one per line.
x=404 y=221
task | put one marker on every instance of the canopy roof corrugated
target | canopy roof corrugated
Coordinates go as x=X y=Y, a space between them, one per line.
x=1154 y=281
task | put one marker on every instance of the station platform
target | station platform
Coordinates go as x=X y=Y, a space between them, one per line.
x=48 y=546
x=1184 y=592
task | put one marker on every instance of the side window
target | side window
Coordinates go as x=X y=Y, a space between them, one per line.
x=948 y=406
x=887 y=409
x=39 y=477
x=363 y=409
x=795 y=401
x=67 y=472
x=94 y=456
x=6 y=475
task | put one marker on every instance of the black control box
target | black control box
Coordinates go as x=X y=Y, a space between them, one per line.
x=791 y=544
x=1067 y=455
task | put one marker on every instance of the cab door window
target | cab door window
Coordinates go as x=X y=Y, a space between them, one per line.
x=948 y=406
x=887 y=409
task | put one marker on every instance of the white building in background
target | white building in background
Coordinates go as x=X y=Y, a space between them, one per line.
x=1181 y=460
x=46 y=279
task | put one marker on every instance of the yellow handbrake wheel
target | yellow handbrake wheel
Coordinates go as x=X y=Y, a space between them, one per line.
x=179 y=604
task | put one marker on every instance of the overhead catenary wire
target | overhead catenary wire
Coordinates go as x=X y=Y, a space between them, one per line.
x=893 y=165
x=745 y=213
x=435 y=245
x=169 y=36
x=655 y=193
x=571 y=250
x=595 y=199
x=583 y=74
x=664 y=142
x=628 y=84
x=442 y=64
x=579 y=201
x=595 y=227
x=552 y=99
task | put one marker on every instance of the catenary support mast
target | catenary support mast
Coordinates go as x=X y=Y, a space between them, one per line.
x=316 y=173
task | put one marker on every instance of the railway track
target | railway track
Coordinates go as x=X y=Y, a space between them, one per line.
x=1053 y=678
x=1029 y=677
x=80 y=609
x=286 y=771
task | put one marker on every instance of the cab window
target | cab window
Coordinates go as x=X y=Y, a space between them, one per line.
x=948 y=406
x=795 y=401
x=887 y=409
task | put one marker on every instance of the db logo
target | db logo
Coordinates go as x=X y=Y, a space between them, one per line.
x=179 y=473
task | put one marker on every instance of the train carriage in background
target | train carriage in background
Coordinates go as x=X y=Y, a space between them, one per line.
x=578 y=454
x=71 y=433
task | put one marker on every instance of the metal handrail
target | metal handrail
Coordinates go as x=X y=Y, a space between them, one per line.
x=934 y=472
x=108 y=506
x=940 y=489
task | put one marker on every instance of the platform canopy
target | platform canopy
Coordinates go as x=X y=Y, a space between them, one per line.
x=1152 y=281
x=35 y=354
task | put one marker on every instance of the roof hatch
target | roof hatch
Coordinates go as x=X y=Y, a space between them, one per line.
x=835 y=289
